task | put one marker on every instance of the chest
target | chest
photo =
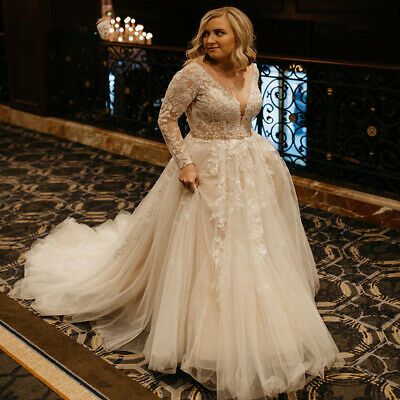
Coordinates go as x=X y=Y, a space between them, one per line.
x=238 y=87
x=215 y=103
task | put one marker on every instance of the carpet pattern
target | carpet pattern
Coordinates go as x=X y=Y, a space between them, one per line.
x=44 y=179
x=16 y=383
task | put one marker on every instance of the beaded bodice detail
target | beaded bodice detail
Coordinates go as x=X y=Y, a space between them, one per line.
x=212 y=111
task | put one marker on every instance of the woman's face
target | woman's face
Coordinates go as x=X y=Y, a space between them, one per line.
x=218 y=39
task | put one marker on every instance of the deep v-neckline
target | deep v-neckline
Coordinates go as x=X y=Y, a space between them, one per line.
x=229 y=93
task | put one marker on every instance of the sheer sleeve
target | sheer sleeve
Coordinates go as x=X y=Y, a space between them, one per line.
x=180 y=93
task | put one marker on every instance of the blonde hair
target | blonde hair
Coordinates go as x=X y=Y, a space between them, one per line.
x=244 y=53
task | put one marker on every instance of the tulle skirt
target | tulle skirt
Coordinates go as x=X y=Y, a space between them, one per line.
x=220 y=282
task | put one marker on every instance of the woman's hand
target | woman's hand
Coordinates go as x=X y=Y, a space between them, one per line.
x=188 y=176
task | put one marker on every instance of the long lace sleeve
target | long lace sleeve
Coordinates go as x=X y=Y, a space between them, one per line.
x=180 y=93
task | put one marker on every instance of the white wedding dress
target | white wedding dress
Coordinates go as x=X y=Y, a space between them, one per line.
x=220 y=281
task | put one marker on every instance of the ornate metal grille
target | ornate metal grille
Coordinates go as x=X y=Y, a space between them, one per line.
x=116 y=86
x=338 y=122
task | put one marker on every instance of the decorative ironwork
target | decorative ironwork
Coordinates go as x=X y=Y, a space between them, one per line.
x=112 y=85
x=335 y=105
x=372 y=131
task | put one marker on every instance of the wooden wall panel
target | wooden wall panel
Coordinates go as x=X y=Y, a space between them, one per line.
x=24 y=23
x=27 y=25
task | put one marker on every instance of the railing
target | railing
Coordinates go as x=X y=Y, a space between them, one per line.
x=331 y=121
x=114 y=86
x=335 y=120
x=4 y=88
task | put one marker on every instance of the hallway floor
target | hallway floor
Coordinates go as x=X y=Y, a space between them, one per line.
x=44 y=179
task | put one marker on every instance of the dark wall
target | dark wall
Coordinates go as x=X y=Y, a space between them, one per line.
x=27 y=27
x=1 y=19
x=352 y=30
x=356 y=30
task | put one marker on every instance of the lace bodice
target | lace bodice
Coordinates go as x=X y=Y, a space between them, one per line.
x=212 y=112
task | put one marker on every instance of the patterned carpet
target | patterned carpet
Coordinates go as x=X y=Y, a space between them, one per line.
x=16 y=383
x=44 y=179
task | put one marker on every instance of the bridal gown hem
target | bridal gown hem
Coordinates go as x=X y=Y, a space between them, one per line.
x=220 y=282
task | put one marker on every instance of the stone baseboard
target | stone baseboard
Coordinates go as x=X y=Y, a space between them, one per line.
x=114 y=142
x=378 y=210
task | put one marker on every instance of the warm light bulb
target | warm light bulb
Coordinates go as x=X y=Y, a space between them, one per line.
x=133 y=20
x=141 y=37
x=116 y=26
x=121 y=29
x=144 y=34
x=119 y=38
x=118 y=19
x=136 y=33
x=149 y=35
x=131 y=38
x=113 y=21
x=139 y=27
x=127 y=19
x=111 y=30
x=130 y=29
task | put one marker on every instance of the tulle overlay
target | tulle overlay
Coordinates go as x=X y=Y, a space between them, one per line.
x=220 y=281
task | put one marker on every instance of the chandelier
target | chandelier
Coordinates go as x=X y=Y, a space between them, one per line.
x=126 y=31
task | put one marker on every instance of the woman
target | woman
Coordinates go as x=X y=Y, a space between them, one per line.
x=213 y=270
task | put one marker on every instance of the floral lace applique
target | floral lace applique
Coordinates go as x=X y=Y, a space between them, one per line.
x=211 y=111
x=180 y=93
x=135 y=230
x=214 y=114
x=236 y=193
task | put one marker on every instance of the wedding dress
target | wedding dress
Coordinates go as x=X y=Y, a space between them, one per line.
x=220 y=282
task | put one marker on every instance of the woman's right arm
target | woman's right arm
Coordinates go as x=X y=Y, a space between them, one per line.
x=180 y=93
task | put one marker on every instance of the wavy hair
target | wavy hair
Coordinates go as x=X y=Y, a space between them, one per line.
x=244 y=53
